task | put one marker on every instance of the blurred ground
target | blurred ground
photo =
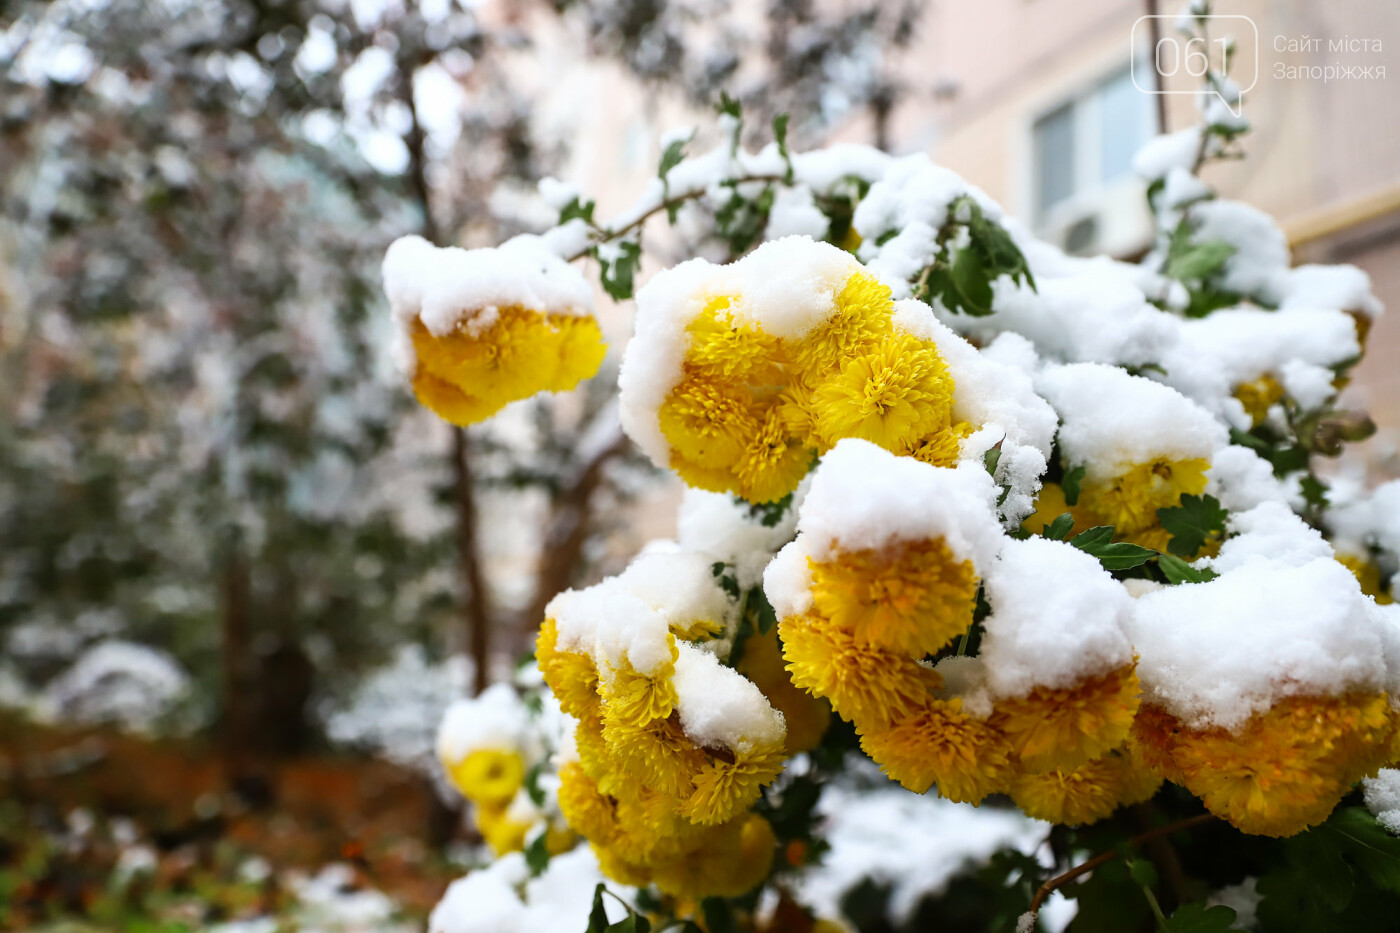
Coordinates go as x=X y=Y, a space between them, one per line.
x=100 y=830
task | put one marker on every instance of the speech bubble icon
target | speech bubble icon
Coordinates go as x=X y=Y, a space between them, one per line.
x=1195 y=56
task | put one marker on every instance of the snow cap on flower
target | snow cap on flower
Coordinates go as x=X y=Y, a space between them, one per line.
x=1112 y=420
x=784 y=289
x=719 y=707
x=612 y=625
x=863 y=497
x=446 y=286
x=495 y=719
x=1215 y=653
x=477 y=329
x=1057 y=618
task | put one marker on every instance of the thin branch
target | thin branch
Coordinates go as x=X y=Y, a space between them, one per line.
x=1160 y=851
x=475 y=607
x=1084 y=868
x=415 y=140
x=606 y=235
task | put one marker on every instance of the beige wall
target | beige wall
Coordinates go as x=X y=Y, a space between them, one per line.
x=1320 y=150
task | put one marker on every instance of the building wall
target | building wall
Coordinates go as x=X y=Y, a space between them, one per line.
x=1324 y=159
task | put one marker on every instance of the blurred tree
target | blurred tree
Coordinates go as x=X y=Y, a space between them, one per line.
x=821 y=61
x=197 y=449
x=204 y=445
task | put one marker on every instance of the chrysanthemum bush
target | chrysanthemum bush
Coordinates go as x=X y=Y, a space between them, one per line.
x=1039 y=538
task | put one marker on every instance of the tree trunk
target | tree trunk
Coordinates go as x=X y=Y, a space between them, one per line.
x=475 y=612
x=236 y=638
x=565 y=536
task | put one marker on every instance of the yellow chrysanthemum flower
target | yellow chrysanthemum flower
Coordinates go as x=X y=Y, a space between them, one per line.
x=657 y=753
x=1130 y=500
x=598 y=761
x=651 y=831
x=1062 y=728
x=941 y=448
x=708 y=423
x=912 y=597
x=1285 y=769
x=1087 y=793
x=729 y=782
x=729 y=861
x=773 y=463
x=867 y=685
x=572 y=677
x=472 y=372
x=698 y=630
x=892 y=395
x=501 y=833
x=797 y=406
x=707 y=478
x=1368 y=574
x=636 y=699
x=615 y=864
x=723 y=350
x=559 y=839
x=587 y=809
x=806 y=716
x=1259 y=396
x=939 y=744
x=488 y=776
x=1152 y=738
x=864 y=309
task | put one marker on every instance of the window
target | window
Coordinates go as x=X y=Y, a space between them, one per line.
x=1087 y=144
x=1054 y=158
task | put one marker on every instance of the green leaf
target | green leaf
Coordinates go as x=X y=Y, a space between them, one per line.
x=577 y=210
x=1314 y=490
x=728 y=106
x=672 y=157
x=1142 y=872
x=769 y=514
x=1198 y=918
x=1098 y=542
x=998 y=249
x=632 y=923
x=1188 y=259
x=991 y=458
x=537 y=854
x=740 y=221
x=1092 y=540
x=598 y=916
x=780 y=128
x=1178 y=571
x=1196 y=262
x=767 y=617
x=619 y=273
x=1375 y=851
x=1060 y=527
x=1191 y=523
x=973 y=283
x=1285 y=457
x=1070 y=484
x=719 y=918
x=532 y=785
x=727 y=581
x=1319 y=854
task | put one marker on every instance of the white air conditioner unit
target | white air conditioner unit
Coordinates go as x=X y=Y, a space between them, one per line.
x=1111 y=220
